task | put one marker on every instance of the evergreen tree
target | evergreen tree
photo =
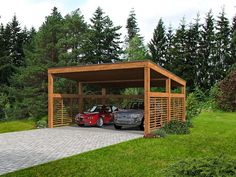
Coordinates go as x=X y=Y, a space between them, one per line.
x=223 y=58
x=136 y=49
x=180 y=50
x=70 y=44
x=233 y=40
x=29 y=86
x=169 y=49
x=102 y=40
x=158 y=45
x=132 y=26
x=194 y=62
x=207 y=53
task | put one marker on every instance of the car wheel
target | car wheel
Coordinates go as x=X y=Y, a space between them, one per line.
x=141 y=126
x=99 y=122
x=117 y=127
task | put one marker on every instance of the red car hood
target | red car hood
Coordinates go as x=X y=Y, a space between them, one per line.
x=85 y=114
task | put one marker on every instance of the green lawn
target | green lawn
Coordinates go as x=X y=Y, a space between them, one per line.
x=17 y=125
x=213 y=134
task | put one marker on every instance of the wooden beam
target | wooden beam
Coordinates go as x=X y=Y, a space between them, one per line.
x=99 y=67
x=167 y=73
x=58 y=95
x=50 y=101
x=121 y=81
x=81 y=99
x=146 y=101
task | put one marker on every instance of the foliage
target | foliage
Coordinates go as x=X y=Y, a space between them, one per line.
x=132 y=26
x=213 y=134
x=158 y=44
x=136 y=49
x=159 y=133
x=102 y=44
x=176 y=127
x=193 y=104
x=204 y=167
x=227 y=99
x=41 y=124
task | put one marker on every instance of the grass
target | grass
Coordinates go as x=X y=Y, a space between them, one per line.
x=17 y=125
x=213 y=134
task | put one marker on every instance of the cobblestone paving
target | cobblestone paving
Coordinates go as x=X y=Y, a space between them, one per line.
x=24 y=149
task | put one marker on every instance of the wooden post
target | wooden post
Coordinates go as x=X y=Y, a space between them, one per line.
x=103 y=96
x=50 y=101
x=168 y=90
x=146 y=101
x=183 y=91
x=62 y=111
x=81 y=99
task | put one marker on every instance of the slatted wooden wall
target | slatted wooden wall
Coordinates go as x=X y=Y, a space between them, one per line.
x=158 y=112
x=176 y=109
x=64 y=111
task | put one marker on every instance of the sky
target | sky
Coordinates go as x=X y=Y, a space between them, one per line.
x=148 y=12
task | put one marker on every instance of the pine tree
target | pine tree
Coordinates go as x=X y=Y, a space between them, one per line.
x=223 y=58
x=29 y=86
x=233 y=40
x=194 y=62
x=132 y=26
x=70 y=44
x=207 y=52
x=169 y=48
x=136 y=49
x=158 y=44
x=102 y=40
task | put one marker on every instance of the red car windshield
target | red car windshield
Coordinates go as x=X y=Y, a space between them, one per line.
x=95 y=109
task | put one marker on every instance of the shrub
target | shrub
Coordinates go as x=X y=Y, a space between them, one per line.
x=194 y=103
x=176 y=127
x=227 y=99
x=203 y=167
x=159 y=133
x=42 y=123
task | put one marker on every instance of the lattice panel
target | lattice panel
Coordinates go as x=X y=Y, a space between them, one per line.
x=65 y=110
x=158 y=112
x=177 y=109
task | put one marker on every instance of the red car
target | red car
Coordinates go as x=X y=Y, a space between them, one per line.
x=96 y=116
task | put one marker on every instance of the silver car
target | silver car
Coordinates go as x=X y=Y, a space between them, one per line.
x=133 y=116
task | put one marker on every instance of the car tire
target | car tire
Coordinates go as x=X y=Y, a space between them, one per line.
x=117 y=127
x=99 y=122
x=80 y=125
x=141 y=126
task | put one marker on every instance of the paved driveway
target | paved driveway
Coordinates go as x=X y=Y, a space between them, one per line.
x=28 y=148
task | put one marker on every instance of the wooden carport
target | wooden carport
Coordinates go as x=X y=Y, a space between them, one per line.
x=159 y=107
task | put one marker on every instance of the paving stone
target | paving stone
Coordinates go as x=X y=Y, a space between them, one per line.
x=24 y=149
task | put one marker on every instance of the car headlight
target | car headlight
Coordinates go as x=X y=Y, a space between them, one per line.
x=134 y=116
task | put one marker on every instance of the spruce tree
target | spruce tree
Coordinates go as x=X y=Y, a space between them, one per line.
x=29 y=86
x=70 y=44
x=158 y=44
x=207 y=52
x=223 y=56
x=233 y=40
x=132 y=26
x=169 y=48
x=136 y=49
x=102 y=40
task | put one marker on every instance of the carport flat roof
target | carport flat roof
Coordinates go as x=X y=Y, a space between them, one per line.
x=122 y=74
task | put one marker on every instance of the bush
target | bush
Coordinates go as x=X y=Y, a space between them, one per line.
x=194 y=103
x=226 y=100
x=159 y=133
x=204 y=167
x=42 y=123
x=176 y=127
